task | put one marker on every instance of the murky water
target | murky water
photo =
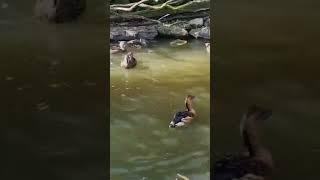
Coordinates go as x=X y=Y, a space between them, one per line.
x=268 y=53
x=52 y=81
x=143 y=101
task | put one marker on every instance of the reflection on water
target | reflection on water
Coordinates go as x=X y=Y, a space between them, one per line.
x=143 y=101
x=267 y=53
x=52 y=81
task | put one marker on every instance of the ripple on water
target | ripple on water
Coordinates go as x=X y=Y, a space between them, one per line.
x=142 y=168
x=204 y=176
x=174 y=160
x=195 y=163
x=169 y=141
x=118 y=123
x=150 y=156
x=119 y=171
x=145 y=119
x=159 y=133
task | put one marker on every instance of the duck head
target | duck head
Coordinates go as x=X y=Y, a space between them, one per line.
x=189 y=98
x=130 y=57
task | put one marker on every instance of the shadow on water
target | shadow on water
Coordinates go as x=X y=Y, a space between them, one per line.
x=267 y=53
x=52 y=95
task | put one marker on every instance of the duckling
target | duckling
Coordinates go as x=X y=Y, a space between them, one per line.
x=122 y=48
x=207 y=47
x=128 y=61
x=184 y=117
x=256 y=163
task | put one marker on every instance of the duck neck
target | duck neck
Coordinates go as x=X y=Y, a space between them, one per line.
x=250 y=132
x=189 y=105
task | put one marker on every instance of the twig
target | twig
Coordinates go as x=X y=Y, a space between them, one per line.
x=163 y=17
x=130 y=8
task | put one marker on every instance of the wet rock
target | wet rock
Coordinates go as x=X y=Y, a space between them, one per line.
x=201 y=33
x=59 y=11
x=122 y=33
x=207 y=22
x=137 y=42
x=178 y=43
x=207 y=47
x=172 y=30
x=198 y=22
x=184 y=25
x=43 y=106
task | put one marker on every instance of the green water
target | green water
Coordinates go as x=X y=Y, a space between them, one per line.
x=143 y=101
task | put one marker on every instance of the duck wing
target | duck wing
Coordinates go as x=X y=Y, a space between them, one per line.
x=179 y=115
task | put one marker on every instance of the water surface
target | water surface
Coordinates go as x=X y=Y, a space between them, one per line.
x=143 y=101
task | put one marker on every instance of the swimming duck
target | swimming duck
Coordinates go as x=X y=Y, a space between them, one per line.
x=207 y=47
x=256 y=163
x=184 y=117
x=122 y=48
x=129 y=61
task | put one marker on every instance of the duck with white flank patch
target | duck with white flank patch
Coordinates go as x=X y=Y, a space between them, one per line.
x=184 y=117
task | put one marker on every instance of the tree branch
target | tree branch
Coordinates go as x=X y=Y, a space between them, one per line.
x=117 y=8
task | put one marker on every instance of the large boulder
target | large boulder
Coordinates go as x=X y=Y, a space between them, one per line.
x=122 y=33
x=207 y=22
x=59 y=11
x=197 y=22
x=203 y=32
x=172 y=31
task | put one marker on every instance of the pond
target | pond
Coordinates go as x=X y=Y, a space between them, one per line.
x=143 y=101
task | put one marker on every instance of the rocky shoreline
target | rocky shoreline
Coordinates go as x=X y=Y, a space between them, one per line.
x=137 y=29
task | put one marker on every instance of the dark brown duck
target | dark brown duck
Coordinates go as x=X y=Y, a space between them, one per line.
x=256 y=162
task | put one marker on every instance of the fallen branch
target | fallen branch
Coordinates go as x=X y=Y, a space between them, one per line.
x=115 y=8
x=160 y=10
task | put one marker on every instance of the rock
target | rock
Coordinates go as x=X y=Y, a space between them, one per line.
x=172 y=30
x=183 y=24
x=122 y=33
x=207 y=47
x=207 y=22
x=198 y=22
x=138 y=42
x=178 y=42
x=201 y=33
x=59 y=11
